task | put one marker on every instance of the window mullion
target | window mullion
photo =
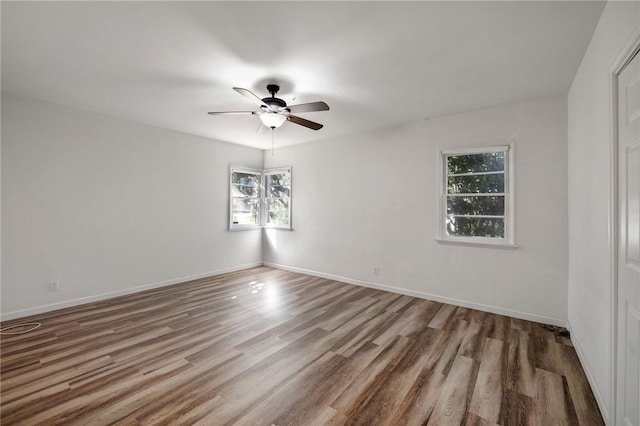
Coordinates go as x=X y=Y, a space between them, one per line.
x=477 y=215
x=477 y=194
x=500 y=172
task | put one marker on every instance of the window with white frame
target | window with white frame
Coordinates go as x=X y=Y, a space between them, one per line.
x=477 y=199
x=277 y=198
x=260 y=198
x=245 y=198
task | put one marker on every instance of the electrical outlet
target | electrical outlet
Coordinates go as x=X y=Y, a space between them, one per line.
x=54 y=285
x=376 y=270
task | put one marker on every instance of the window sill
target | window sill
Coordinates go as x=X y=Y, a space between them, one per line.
x=245 y=228
x=278 y=228
x=502 y=246
x=258 y=227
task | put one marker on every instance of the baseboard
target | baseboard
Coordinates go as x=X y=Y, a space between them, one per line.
x=429 y=296
x=95 y=298
x=422 y=295
x=587 y=371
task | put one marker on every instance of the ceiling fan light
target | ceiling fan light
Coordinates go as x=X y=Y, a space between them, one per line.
x=272 y=119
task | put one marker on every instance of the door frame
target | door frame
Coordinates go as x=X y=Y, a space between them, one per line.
x=628 y=53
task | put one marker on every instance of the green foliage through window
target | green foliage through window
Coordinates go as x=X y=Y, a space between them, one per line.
x=475 y=194
x=278 y=192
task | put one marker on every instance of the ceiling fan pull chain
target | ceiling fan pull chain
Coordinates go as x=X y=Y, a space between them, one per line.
x=273 y=130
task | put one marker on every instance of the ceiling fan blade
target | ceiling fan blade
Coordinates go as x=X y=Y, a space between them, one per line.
x=310 y=107
x=249 y=94
x=231 y=112
x=303 y=122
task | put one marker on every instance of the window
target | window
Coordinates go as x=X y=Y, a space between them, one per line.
x=260 y=198
x=477 y=202
x=245 y=198
x=277 y=199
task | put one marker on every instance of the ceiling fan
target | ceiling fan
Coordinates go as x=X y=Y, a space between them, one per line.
x=273 y=112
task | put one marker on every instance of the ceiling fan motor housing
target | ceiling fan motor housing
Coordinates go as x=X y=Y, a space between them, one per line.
x=273 y=101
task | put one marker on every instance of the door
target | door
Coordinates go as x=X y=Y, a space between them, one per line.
x=628 y=321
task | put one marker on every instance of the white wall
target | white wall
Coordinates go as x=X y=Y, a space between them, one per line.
x=371 y=200
x=590 y=142
x=106 y=205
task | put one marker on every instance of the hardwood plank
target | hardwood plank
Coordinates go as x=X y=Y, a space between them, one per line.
x=487 y=393
x=418 y=404
x=517 y=409
x=284 y=406
x=389 y=395
x=362 y=334
x=315 y=388
x=553 y=403
x=521 y=369
x=362 y=389
x=585 y=403
x=444 y=354
x=451 y=407
x=475 y=420
x=474 y=340
x=441 y=319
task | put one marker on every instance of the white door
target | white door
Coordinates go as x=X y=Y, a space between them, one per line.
x=628 y=361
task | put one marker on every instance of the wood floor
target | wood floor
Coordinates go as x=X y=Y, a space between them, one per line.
x=266 y=346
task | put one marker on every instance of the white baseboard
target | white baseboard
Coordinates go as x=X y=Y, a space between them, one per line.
x=422 y=295
x=590 y=378
x=458 y=302
x=89 y=299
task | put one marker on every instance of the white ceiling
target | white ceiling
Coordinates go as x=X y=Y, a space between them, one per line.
x=376 y=64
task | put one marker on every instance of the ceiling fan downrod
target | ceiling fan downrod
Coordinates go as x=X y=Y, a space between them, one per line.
x=273 y=89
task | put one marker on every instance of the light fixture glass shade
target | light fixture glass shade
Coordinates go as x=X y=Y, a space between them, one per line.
x=272 y=119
